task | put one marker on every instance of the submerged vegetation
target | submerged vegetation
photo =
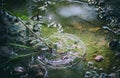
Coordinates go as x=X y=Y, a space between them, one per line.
x=49 y=38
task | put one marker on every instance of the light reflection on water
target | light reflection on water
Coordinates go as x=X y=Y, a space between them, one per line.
x=83 y=11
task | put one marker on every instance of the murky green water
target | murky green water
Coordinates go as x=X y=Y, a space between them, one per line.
x=66 y=73
x=59 y=12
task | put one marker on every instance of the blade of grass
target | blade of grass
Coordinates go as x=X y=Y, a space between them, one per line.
x=19 y=45
x=18 y=57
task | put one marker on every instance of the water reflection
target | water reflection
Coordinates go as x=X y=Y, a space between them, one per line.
x=83 y=11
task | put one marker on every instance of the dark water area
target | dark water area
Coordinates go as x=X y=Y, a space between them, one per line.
x=14 y=3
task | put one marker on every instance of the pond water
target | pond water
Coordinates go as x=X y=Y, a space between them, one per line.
x=74 y=21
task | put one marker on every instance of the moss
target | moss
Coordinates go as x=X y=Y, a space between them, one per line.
x=96 y=43
x=47 y=31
